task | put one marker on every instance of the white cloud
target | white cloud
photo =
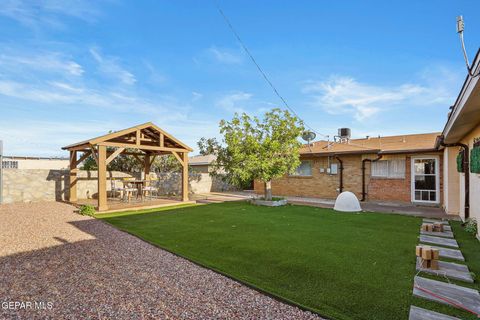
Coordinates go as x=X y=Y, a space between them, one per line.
x=224 y=55
x=45 y=138
x=36 y=14
x=49 y=62
x=345 y=95
x=110 y=67
x=233 y=102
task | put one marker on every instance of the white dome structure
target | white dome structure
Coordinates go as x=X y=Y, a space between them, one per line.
x=347 y=202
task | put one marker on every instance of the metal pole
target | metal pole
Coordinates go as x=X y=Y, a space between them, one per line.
x=1 y=171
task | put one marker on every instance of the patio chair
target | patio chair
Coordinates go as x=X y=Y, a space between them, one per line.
x=129 y=190
x=148 y=189
x=114 y=189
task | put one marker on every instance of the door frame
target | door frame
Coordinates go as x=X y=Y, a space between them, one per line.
x=437 y=178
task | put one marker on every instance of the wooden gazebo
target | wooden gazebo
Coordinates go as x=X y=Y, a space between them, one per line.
x=144 y=141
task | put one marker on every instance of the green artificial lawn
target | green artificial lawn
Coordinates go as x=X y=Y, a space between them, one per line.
x=340 y=265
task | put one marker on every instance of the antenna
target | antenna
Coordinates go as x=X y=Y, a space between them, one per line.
x=309 y=136
x=460 y=28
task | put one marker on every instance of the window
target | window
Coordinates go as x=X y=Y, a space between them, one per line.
x=304 y=169
x=7 y=164
x=394 y=169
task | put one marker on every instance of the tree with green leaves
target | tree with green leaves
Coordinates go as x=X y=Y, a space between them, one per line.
x=254 y=149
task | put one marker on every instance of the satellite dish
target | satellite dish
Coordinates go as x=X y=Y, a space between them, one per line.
x=308 y=136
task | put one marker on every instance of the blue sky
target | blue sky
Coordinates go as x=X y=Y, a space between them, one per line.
x=71 y=69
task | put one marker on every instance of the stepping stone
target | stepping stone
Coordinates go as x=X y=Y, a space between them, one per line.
x=448 y=269
x=435 y=220
x=449 y=253
x=439 y=241
x=446 y=293
x=445 y=234
x=417 y=313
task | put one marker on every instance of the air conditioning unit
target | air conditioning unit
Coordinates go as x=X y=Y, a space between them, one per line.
x=344 y=133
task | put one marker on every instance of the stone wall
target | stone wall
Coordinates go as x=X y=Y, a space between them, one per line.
x=31 y=185
x=171 y=183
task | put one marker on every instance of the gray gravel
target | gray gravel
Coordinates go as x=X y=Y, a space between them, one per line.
x=89 y=270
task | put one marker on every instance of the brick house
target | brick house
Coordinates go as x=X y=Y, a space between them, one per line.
x=374 y=168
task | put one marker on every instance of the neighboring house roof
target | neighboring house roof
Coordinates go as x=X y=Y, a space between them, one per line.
x=384 y=145
x=465 y=114
x=201 y=160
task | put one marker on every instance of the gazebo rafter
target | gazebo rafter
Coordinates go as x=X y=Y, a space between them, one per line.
x=148 y=139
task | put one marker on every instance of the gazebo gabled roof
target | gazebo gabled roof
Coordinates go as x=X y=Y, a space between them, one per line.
x=151 y=137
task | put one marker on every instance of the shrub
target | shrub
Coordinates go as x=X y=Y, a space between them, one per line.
x=87 y=210
x=460 y=163
x=471 y=225
x=475 y=160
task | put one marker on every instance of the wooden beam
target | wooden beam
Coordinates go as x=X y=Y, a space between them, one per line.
x=84 y=156
x=72 y=194
x=185 y=177
x=138 y=137
x=142 y=147
x=114 y=155
x=162 y=140
x=182 y=162
x=94 y=154
x=102 y=178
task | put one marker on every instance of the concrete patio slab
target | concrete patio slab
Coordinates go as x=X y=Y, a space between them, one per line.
x=446 y=293
x=439 y=241
x=427 y=220
x=445 y=234
x=449 y=253
x=448 y=269
x=417 y=313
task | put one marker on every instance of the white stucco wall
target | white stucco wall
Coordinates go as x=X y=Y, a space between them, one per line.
x=474 y=180
x=451 y=181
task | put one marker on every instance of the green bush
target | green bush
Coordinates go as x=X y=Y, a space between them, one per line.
x=87 y=210
x=471 y=226
x=475 y=160
x=460 y=162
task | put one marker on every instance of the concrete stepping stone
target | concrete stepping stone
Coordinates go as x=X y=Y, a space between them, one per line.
x=448 y=269
x=434 y=220
x=439 y=241
x=449 y=253
x=417 y=313
x=446 y=293
x=445 y=234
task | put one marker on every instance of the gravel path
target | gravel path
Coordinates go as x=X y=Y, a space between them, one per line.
x=85 y=269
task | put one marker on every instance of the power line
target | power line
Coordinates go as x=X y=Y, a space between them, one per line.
x=260 y=69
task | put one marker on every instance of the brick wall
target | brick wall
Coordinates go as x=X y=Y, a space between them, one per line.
x=319 y=185
x=323 y=185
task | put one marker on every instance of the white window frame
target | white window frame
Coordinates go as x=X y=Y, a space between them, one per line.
x=388 y=163
x=437 y=179
x=295 y=175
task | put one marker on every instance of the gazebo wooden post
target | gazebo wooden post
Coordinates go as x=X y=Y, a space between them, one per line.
x=146 y=166
x=185 y=177
x=102 y=178
x=72 y=195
